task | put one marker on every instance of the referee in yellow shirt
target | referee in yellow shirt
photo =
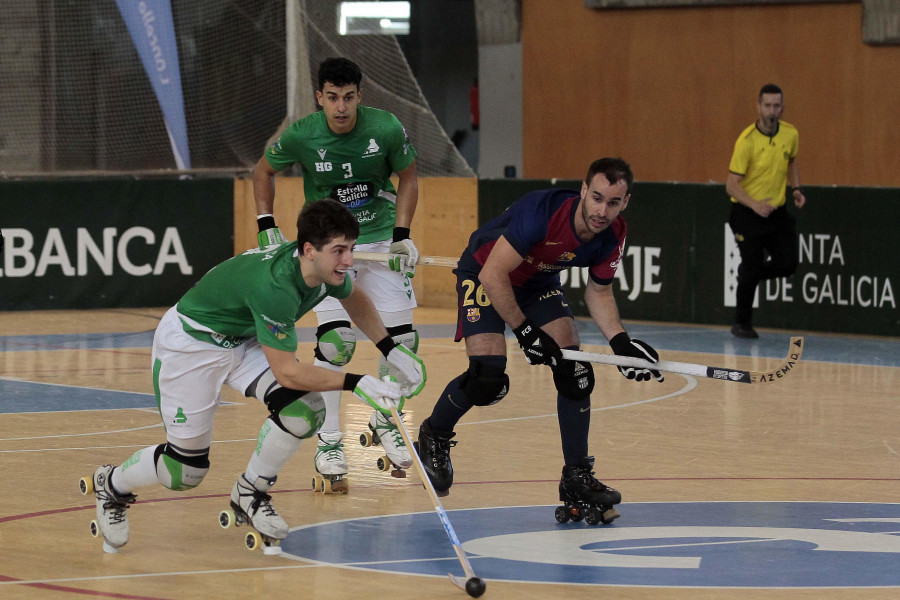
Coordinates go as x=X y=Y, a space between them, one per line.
x=765 y=155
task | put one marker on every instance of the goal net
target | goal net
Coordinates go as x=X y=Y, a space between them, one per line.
x=98 y=87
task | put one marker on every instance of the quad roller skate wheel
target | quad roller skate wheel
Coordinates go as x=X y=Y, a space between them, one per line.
x=227 y=519
x=366 y=439
x=594 y=515
x=384 y=464
x=86 y=485
x=252 y=540
x=95 y=529
x=562 y=515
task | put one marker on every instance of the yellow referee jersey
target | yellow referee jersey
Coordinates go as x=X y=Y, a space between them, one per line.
x=762 y=161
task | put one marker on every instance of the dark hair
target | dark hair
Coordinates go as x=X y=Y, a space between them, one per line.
x=770 y=88
x=339 y=72
x=613 y=169
x=324 y=220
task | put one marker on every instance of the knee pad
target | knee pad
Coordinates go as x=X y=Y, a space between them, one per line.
x=298 y=412
x=404 y=335
x=301 y=414
x=574 y=379
x=484 y=383
x=335 y=342
x=179 y=469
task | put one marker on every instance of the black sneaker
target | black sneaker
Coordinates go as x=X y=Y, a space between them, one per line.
x=740 y=330
x=433 y=447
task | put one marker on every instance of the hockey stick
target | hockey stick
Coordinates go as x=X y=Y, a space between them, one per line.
x=471 y=584
x=794 y=353
x=437 y=261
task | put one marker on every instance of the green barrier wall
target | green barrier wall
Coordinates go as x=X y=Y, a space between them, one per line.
x=681 y=261
x=98 y=243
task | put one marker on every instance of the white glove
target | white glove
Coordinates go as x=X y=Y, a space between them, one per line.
x=380 y=395
x=409 y=368
x=408 y=257
x=270 y=237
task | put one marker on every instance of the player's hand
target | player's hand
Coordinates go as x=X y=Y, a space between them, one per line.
x=538 y=346
x=380 y=395
x=270 y=237
x=409 y=369
x=763 y=208
x=407 y=258
x=625 y=346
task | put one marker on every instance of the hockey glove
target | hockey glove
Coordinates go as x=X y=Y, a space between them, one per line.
x=269 y=234
x=539 y=348
x=380 y=395
x=408 y=367
x=623 y=345
x=408 y=254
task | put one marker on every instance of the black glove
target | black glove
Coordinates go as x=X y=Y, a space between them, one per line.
x=625 y=346
x=539 y=348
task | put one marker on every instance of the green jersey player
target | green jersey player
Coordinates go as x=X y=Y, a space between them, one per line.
x=348 y=152
x=236 y=328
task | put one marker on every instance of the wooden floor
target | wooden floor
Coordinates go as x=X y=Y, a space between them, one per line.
x=830 y=432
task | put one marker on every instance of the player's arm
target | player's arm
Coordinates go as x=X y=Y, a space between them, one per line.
x=363 y=313
x=407 y=195
x=407 y=200
x=495 y=277
x=292 y=374
x=604 y=311
x=736 y=191
x=264 y=197
x=794 y=178
x=601 y=305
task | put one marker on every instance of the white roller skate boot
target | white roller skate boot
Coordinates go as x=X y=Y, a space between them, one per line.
x=385 y=432
x=254 y=505
x=331 y=464
x=112 y=520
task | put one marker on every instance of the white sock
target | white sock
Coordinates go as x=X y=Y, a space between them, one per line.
x=275 y=447
x=332 y=399
x=139 y=471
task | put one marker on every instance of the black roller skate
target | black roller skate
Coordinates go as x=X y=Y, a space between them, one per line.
x=433 y=448
x=584 y=497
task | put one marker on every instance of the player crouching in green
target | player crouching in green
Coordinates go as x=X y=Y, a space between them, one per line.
x=236 y=328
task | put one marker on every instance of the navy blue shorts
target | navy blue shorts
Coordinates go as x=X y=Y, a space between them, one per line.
x=475 y=314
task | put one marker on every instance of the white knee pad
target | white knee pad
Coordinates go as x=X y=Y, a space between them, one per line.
x=303 y=417
x=336 y=342
x=180 y=469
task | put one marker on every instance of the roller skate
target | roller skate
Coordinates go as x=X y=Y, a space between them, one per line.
x=383 y=432
x=250 y=504
x=433 y=447
x=584 y=497
x=112 y=520
x=331 y=465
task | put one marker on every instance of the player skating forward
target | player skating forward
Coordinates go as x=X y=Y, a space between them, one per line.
x=236 y=328
x=348 y=151
x=509 y=275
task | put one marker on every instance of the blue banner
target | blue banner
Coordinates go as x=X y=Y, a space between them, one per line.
x=153 y=31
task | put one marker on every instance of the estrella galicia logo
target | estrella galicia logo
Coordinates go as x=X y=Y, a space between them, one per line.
x=690 y=544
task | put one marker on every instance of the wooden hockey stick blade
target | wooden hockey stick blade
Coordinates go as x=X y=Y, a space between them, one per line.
x=436 y=261
x=795 y=352
x=459 y=582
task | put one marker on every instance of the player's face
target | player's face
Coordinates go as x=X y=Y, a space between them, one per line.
x=333 y=261
x=339 y=105
x=601 y=203
x=770 y=108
